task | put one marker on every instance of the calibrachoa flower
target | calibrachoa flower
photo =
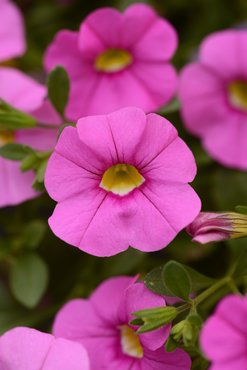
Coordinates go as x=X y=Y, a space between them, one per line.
x=117 y=60
x=25 y=94
x=213 y=94
x=224 y=335
x=212 y=226
x=28 y=349
x=101 y=324
x=12 y=37
x=120 y=180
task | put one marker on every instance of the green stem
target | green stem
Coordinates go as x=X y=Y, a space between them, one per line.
x=211 y=290
x=183 y=308
x=47 y=126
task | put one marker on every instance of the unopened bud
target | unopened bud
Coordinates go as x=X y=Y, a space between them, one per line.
x=209 y=226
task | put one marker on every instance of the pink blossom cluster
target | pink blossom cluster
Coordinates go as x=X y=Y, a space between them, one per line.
x=213 y=94
x=96 y=331
x=26 y=94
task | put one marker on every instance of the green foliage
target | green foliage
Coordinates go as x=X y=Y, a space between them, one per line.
x=58 y=88
x=33 y=233
x=13 y=119
x=177 y=280
x=154 y=318
x=30 y=160
x=171 y=107
x=170 y=344
x=163 y=280
x=15 y=152
x=154 y=282
x=241 y=209
x=29 y=279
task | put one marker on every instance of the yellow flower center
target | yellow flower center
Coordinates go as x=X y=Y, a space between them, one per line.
x=113 y=60
x=238 y=94
x=121 y=179
x=130 y=342
x=6 y=137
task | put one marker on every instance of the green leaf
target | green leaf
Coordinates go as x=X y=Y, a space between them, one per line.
x=240 y=266
x=34 y=233
x=29 y=279
x=12 y=119
x=198 y=280
x=58 y=88
x=14 y=151
x=136 y=322
x=29 y=162
x=241 y=209
x=40 y=174
x=156 y=312
x=170 y=344
x=171 y=107
x=177 y=279
x=153 y=325
x=153 y=281
x=154 y=318
x=234 y=185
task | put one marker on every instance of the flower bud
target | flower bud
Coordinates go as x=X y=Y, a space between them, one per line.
x=13 y=119
x=210 y=226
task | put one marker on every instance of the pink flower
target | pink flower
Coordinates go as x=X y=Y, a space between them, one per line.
x=25 y=94
x=211 y=226
x=28 y=349
x=213 y=94
x=117 y=60
x=121 y=180
x=101 y=324
x=224 y=335
x=12 y=38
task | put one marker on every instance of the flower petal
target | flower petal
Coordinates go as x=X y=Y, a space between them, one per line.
x=13 y=42
x=64 y=51
x=174 y=164
x=105 y=25
x=20 y=90
x=78 y=320
x=111 y=137
x=119 y=91
x=220 y=342
x=138 y=297
x=229 y=149
x=159 y=80
x=160 y=360
x=107 y=299
x=137 y=19
x=203 y=98
x=29 y=349
x=64 y=178
x=177 y=206
x=222 y=51
x=158 y=135
x=161 y=38
x=15 y=186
